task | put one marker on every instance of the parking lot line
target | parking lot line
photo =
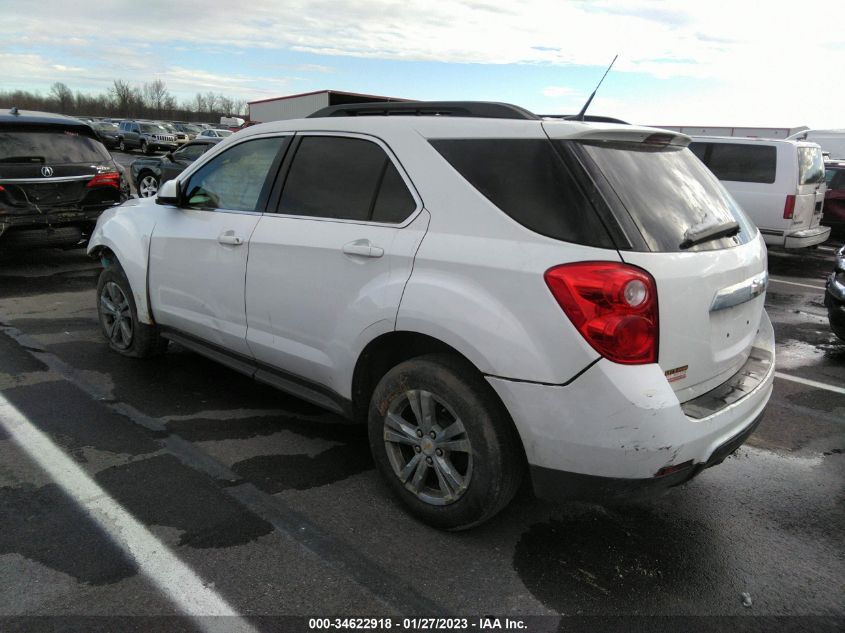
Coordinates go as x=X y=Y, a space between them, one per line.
x=811 y=383
x=176 y=580
x=795 y=283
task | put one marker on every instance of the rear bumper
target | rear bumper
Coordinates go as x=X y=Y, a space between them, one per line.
x=807 y=237
x=556 y=485
x=85 y=216
x=625 y=425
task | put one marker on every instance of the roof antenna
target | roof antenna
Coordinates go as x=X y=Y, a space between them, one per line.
x=580 y=115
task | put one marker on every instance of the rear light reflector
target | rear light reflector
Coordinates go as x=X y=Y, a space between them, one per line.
x=789 y=208
x=105 y=179
x=612 y=305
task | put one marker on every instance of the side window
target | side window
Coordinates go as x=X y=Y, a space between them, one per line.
x=527 y=180
x=347 y=179
x=738 y=162
x=235 y=179
x=191 y=152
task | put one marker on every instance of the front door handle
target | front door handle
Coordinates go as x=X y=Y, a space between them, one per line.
x=362 y=248
x=230 y=238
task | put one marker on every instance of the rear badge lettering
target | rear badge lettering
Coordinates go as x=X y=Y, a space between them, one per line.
x=674 y=375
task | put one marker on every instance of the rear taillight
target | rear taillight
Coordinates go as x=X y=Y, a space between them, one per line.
x=105 y=179
x=613 y=306
x=789 y=207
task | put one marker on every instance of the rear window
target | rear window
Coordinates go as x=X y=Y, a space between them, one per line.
x=54 y=146
x=528 y=181
x=666 y=191
x=738 y=162
x=810 y=165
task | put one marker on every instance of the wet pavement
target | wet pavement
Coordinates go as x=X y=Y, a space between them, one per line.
x=275 y=508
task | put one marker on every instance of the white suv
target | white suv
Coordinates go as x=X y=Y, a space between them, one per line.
x=494 y=294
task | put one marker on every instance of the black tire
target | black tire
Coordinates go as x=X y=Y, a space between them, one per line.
x=121 y=145
x=144 y=340
x=494 y=461
x=145 y=148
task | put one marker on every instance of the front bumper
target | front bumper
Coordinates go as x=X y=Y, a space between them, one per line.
x=622 y=426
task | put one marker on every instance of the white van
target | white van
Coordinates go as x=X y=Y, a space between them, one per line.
x=832 y=142
x=778 y=183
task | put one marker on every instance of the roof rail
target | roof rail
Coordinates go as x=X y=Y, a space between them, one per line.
x=592 y=118
x=475 y=109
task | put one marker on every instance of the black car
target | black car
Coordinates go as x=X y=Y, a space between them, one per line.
x=107 y=133
x=149 y=173
x=56 y=178
x=834 y=296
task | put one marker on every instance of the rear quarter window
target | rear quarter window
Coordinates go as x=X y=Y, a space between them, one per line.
x=738 y=162
x=810 y=165
x=527 y=180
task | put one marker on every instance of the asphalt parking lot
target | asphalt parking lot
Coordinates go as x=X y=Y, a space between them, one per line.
x=243 y=502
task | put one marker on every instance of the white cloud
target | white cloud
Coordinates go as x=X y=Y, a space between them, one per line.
x=776 y=55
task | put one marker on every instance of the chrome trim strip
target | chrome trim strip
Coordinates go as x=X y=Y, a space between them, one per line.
x=741 y=292
x=4 y=181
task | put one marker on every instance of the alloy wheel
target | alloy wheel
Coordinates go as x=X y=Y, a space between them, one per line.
x=428 y=447
x=116 y=316
x=148 y=187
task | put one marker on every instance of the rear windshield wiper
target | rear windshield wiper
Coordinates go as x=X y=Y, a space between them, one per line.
x=22 y=159
x=707 y=231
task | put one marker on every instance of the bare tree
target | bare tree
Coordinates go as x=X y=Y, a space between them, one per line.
x=199 y=103
x=62 y=96
x=226 y=104
x=123 y=96
x=210 y=102
x=155 y=95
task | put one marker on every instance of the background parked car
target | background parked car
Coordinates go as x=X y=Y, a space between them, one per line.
x=778 y=183
x=56 y=178
x=834 y=199
x=145 y=136
x=834 y=296
x=181 y=137
x=108 y=133
x=149 y=173
x=190 y=129
x=215 y=133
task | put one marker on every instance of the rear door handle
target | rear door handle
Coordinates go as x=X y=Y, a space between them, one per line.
x=362 y=248
x=230 y=238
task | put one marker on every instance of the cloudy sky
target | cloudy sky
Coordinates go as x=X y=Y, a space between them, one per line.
x=704 y=62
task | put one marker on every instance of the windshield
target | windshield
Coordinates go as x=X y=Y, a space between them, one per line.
x=56 y=146
x=810 y=165
x=106 y=127
x=669 y=194
x=153 y=128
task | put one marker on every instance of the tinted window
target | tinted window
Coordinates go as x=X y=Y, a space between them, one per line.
x=191 y=152
x=54 y=146
x=345 y=178
x=234 y=179
x=810 y=165
x=738 y=162
x=527 y=179
x=667 y=191
x=394 y=202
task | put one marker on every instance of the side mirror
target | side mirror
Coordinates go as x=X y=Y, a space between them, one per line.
x=169 y=193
